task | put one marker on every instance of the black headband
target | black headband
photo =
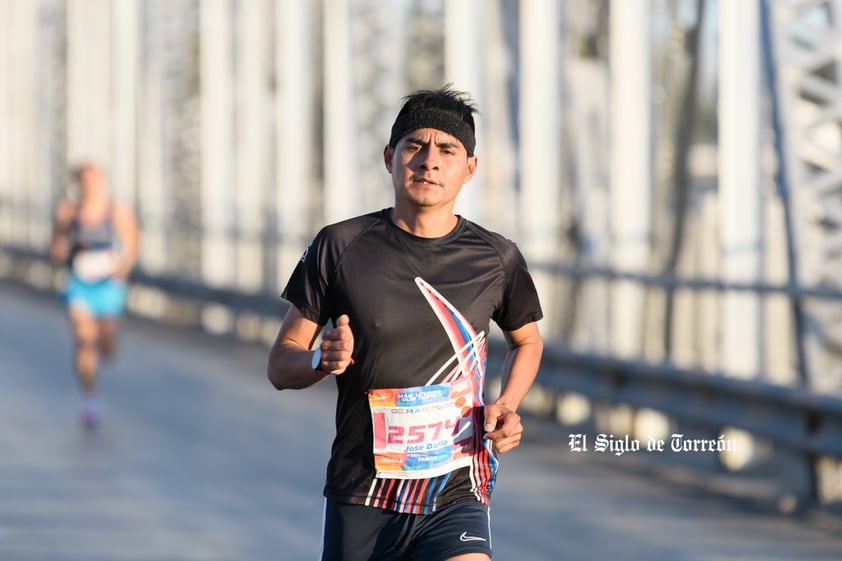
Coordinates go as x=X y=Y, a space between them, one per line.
x=428 y=118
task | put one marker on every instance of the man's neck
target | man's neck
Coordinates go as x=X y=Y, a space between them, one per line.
x=425 y=224
x=94 y=207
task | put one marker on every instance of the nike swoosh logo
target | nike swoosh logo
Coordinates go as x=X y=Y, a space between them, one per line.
x=466 y=538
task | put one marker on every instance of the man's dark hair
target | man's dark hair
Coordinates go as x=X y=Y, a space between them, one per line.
x=445 y=109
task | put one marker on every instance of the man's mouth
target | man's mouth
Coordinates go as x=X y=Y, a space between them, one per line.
x=424 y=181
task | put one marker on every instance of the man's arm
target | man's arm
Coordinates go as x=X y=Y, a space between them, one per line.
x=59 y=244
x=125 y=225
x=502 y=423
x=290 y=360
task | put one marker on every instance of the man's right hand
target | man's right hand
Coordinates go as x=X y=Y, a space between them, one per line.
x=337 y=346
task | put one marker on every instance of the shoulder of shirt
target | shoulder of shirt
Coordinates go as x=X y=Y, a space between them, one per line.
x=351 y=228
x=336 y=238
x=504 y=247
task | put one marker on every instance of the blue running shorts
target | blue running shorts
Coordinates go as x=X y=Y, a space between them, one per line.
x=364 y=533
x=101 y=299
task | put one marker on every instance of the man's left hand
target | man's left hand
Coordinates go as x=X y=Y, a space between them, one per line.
x=502 y=427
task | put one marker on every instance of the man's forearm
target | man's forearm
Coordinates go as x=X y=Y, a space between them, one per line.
x=291 y=368
x=519 y=371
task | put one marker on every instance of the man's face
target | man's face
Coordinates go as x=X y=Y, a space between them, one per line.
x=428 y=168
x=91 y=181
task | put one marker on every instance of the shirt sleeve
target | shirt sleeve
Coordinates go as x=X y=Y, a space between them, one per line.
x=520 y=304
x=307 y=288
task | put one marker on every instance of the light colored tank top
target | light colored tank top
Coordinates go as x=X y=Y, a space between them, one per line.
x=94 y=255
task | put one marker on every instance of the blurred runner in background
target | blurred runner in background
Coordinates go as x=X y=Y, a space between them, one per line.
x=98 y=240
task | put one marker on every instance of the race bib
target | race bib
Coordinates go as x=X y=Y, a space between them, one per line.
x=422 y=432
x=94 y=265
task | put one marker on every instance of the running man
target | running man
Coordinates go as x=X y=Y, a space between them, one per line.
x=99 y=241
x=411 y=291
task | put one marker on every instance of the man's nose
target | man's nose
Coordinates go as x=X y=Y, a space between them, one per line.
x=429 y=159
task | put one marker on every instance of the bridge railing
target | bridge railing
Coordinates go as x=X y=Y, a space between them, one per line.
x=799 y=421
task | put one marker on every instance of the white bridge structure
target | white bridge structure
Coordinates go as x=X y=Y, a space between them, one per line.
x=672 y=169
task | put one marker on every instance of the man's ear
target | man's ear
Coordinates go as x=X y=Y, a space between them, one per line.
x=388 y=154
x=472 y=168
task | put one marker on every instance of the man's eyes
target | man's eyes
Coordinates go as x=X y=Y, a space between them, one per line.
x=416 y=147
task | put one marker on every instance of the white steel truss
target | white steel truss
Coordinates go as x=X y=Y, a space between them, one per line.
x=807 y=68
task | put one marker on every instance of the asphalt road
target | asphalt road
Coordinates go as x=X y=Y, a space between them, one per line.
x=200 y=459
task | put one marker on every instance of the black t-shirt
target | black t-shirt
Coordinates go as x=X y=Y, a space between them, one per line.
x=369 y=268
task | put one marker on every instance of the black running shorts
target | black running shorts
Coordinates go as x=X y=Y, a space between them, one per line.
x=362 y=533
